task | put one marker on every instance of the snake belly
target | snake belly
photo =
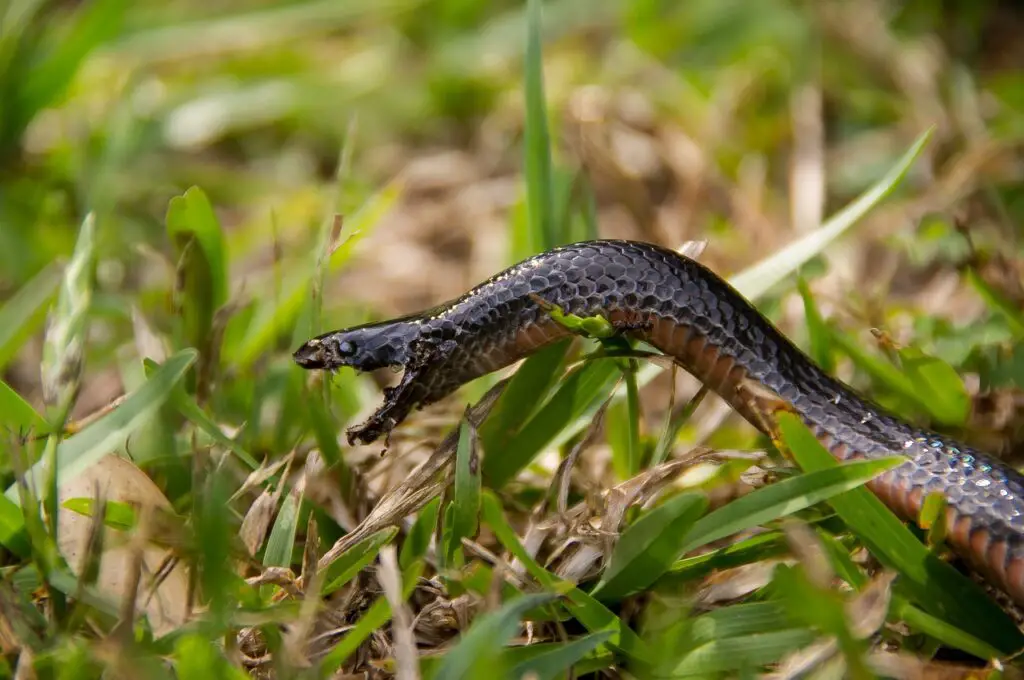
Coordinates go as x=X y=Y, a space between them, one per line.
x=688 y=312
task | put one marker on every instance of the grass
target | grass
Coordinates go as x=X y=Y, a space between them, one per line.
x=187 y=194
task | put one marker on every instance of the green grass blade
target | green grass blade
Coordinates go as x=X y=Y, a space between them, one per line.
x=539 y=201
x=553 y=662
x=108 y=433
x=198 y=239
x=466 y=503
x=819 y=337
x=190 y=410
x=783 y=498
x=647 y=548
x=418 y=541
x=939 y=383
x=998 y=303
x=281 y=541
x=932 y=583
x=270 y=319
x=12 y=528
x=376 y=616
x=593 y=615
x=772 y=270
x=764 y=546
x=478 y=651
x=946 y=633
x=948 y=410
x=623 y=427
x=739 y=620
x=355 y=559
x=64 y=343
x=758 y=279
x=16 y=415
x=25 y=311
x=526 y=390
x=196 y=656
x=579 y=396
x=58 y=58
x=742 y=653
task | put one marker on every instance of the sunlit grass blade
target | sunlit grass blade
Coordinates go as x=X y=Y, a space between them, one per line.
x=537 y=140
x=763 y=546
x=12 y=528
x=755 y=280
x=931 y=582
x=943 y=631
x=25 y=311
x=108 y=433
x=647 y=548
x=783 y=498
x=742 y=653
x=196 y=656
x=64 y=344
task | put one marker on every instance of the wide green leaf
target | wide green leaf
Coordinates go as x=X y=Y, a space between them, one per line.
x=931 y=582
x=648 y=547
x=783 y=498
x=110 y=432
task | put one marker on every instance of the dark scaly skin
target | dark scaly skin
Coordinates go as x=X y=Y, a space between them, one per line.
x=689 y=313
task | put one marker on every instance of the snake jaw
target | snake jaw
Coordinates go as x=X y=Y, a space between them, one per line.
x=311 y=355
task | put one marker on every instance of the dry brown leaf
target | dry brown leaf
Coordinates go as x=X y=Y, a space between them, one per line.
x=120 y=480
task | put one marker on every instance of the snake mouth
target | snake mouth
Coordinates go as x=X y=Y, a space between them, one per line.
x=311 y=355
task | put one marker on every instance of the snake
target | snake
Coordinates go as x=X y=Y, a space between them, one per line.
x=683 y=309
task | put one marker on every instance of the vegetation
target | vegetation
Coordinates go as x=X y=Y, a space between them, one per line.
x=188 y=191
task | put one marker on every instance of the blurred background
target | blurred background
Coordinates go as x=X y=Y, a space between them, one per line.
x=744 y=123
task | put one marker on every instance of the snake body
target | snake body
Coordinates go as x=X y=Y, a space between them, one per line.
x=688 y=312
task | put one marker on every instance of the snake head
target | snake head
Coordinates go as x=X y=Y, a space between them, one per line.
x=364 y=348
